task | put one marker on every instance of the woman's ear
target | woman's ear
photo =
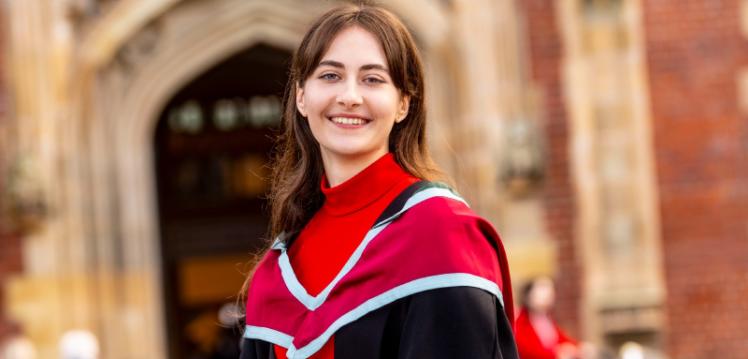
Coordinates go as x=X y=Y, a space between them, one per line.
x=402 y=112
x=300 y=100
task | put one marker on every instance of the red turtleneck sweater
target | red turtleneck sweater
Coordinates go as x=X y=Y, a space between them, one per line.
x=331 y=236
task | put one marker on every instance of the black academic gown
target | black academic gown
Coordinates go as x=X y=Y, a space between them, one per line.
x=446 y=323
x=451 y=322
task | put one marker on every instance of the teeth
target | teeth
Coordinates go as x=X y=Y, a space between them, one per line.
x=348 y=121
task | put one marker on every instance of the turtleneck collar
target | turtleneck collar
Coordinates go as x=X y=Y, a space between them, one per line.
x=364 y=188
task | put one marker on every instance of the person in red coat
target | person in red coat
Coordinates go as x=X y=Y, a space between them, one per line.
x=537 y=334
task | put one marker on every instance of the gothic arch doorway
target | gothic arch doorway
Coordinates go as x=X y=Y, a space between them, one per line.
x=212 y=150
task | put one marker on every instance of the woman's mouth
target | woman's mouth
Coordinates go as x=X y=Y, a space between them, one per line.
x=348 y=122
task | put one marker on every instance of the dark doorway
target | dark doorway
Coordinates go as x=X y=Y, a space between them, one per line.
x=212 y=146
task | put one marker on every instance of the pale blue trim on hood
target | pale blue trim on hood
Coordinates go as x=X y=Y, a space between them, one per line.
x=402 y=291
x=268 y=335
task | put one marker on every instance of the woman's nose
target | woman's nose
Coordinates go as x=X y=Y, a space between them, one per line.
x=350 y=95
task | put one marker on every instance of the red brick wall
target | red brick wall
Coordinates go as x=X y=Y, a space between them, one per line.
x=694 y=52
x=544 y=43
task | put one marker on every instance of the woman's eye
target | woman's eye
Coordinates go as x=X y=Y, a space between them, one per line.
x=328 y=76
x=373 y=80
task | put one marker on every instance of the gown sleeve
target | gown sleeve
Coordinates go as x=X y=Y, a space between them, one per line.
x=457 y=322
x=256 y=349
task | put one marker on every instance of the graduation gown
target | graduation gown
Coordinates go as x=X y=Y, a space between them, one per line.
x=429 y=280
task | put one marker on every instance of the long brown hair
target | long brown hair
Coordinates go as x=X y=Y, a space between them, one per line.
x=295 y=189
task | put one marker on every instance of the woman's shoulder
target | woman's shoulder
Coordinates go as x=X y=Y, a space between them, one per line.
x=443 y=200
x=437 y=206
x=436 y=217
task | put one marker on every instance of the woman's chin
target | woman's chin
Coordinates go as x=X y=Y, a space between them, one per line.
x=352 y=153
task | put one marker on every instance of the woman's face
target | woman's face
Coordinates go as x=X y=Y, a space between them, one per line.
x=350 y=100
x=542 y=296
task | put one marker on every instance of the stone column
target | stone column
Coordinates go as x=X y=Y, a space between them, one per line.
x=618 y=227
x=54 y=292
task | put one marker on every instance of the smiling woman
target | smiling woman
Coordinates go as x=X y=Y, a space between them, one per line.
x=372 y=258
x=351 y=104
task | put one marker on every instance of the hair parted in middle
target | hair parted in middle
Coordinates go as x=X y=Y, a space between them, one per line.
x=295 y=193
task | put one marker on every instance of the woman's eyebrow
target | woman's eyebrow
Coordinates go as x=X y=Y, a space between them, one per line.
x=374 y=67
x=332 y=63
x=340 y=65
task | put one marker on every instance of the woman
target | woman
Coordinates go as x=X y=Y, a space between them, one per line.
x=371 y=259
x=538 y=335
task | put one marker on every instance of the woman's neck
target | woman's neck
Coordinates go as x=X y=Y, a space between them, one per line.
x=539 y=312
x=339 y=169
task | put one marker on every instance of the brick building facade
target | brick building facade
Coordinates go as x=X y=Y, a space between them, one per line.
x=545 y=50
x=695 y=62
x=696 y=54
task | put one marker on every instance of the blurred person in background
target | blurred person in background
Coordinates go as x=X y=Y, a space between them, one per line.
x=17 y=345
x=354 y=173
x=538 y=335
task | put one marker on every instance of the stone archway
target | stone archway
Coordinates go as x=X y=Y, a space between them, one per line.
x=129 y=94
